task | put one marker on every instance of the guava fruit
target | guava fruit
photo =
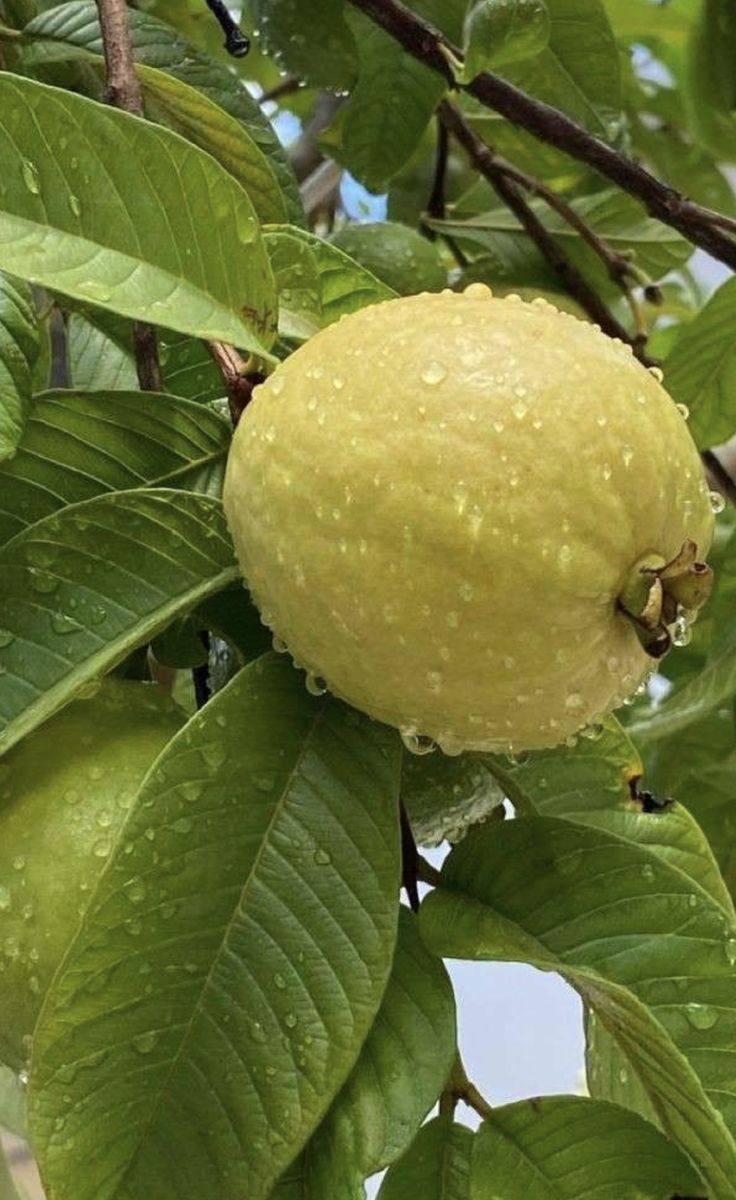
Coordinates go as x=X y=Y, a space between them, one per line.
x=64 y=794
x=478 y=520
x=395 y=254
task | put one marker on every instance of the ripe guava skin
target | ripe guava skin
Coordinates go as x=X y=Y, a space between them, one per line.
x=64 y=794
x=437 y=502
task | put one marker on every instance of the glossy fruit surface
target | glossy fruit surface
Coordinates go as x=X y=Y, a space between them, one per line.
x=64 y=793
x=439 y=502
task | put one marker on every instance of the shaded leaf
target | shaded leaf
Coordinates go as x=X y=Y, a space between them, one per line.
x=12 y=1102
x=568 y=1148
x=394 y=98
x=578 y=71
x=82 y=588
x=262 y=988
x=436 y=1166
x=497 y=33
x=701 y=370
x=403 y=1066
x=74 y=26
x=445 y=796
x=80 y=445
x=651 y=953
x=181 y=249
x=317 y=282
x=614 y=215
x=19 y=352
x=309 y=38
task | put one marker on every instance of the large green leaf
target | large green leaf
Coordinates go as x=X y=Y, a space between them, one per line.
x=651 y=953
x=578 y=71
x=74 y=27
x=309 y=38
x=394 y=98
x=435 y=1167
x=19 y=350
x=402 y=1068
x=568 y=1148
x=698 y=696
x=82 y=588
x=701 y=370
x=182 y=248
x=234 y=955
x=317 y=282
x=445 y=796
x=80 y=445
x=615 y=216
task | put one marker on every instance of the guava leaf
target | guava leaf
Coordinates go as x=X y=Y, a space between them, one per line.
x=12 y=1103
x=444 y=796
x=101 y=358
x=78 y=445
x=436 y=1166
x=19 y=351
x=695 y=698
x=701 y=370
x=569 y=1148
x=614 y=215
x=403 y=1066
x=260 y=864
x=180 y=248
x=317 y=282
x=497 y=33
x=82 y=588
x=652 y=954
x=578 y=70
x=309 y=38
x=394 y=98
x=611 y=1075
x=74 y=26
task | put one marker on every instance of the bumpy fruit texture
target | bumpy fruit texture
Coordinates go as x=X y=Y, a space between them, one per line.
x=64 y=794
x=438 y=501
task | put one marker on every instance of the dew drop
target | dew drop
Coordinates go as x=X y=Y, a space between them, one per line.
x=63 y=624
x=279 y=982
x=135 y=890
x=5 y=900
x=257 y=1032
x=279 y=645
x=683 y=410
x=648 y=872
x=416 y=743
x=701 y=1016
x=564 y=554
x=315 y=684
x=19 y=862
x=6 y=638
x=31 y=177
x=717 y=502
x=731 y=951
x=322 y=857
x=657 y=373
x=681 y=632
x=75 y=204
x=145 y=1042
x=277 y=384
x=43 y=582
x=434 y=373
x=291 y=1021
x=623 y=1076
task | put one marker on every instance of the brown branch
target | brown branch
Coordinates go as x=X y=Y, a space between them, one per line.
x=547 y=124
x=486 y=162
x=239 y=377
x=123 y=91
x=285 y=88
x=437 y=201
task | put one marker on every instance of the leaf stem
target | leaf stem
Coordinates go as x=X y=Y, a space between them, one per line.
x=424 y=42
x=240 y=377
x=459 y=1087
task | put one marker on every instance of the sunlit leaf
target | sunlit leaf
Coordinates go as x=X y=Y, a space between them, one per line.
x=436 y=1166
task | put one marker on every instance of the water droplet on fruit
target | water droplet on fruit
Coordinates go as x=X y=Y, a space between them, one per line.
x=657 y=373
x=574 y=700
x=19 y=862
x=31 y=177
x=277 y=384
x=279 y=645
x=682 y=634
x=315 y=684
x=5 y=900
x=434 y=372
x=683 y=410
x=717 y=502
x=416 y=743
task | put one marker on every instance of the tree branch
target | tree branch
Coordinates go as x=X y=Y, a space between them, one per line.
x=236 y=42
x=699 y=225
x=494 y=171
x=123 y=91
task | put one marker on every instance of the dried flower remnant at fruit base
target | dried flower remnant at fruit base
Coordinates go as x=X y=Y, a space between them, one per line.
x=470 y=517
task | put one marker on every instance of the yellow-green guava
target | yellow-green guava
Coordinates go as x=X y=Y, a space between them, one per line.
x=468 y=517
x=396 y=254
x=64 y=794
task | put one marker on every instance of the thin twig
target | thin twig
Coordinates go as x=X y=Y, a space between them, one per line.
x=437 y=202
x=285 y=88
x=485 y=161
x=459 y=1087
x=409 y=860
x=239 y=376
x=236 y=42
x=123 y=91
x=426 y=44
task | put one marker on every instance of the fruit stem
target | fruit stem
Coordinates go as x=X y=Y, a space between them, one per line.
x=657 y=594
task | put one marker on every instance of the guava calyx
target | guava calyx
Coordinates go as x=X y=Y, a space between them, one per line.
x=663 y=600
